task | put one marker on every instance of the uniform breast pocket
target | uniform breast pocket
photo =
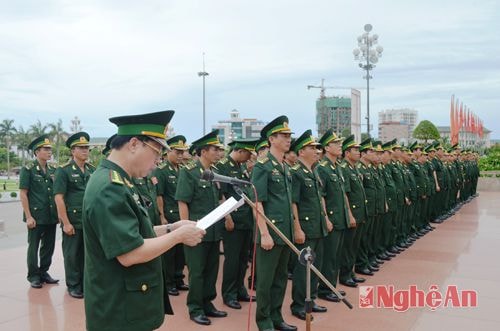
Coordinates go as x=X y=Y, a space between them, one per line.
x=309 y=184
x=276 y=184
x=142 y=291
x=334 y=178
x=172 y=180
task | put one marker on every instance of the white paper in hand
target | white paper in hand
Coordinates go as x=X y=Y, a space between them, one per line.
x=218 y=213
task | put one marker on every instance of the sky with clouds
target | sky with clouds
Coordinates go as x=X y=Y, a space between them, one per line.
x=97 y=59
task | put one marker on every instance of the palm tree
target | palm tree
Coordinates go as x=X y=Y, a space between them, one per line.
x=57 y=132
x=38 y=129
x=7 y=130
x=23 y=139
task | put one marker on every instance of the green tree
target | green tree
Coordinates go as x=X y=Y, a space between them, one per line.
x=425 y=130
x=57 y=133
x=38 y=129
x=23 y=139
x=7 y=134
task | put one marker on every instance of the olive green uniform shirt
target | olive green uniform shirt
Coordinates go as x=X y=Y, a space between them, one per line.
x=273 y=183
x=202 y=196
x=168 y=176
x=71 y=182
x=307 y=196
x=242 y=217
x=355 y=192
x=115 y=222
x=333 y=191
x=40 y=192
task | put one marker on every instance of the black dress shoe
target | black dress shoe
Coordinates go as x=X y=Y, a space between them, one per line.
x=299 y=314
x=332 y=297
x=173 y=291
x=233 y=304
x=285 y=327
x=393 y=250
x=182 y=287
x=247 y=298
x=389 y=254
x=49 y=280
x=318 y=309
x=290 y=276
x=350 y=283
x=77 y=294
x=201 y=319
x=342 y=293
x=373 y=269
x=216 y=313
x=364 y=271
x=358 y=279
x=36 y=284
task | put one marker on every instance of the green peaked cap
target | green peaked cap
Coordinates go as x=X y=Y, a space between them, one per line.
x=304 y=140
x=329 y=137
x=211 y=138
x=348 y=143
x=151 y=125
x=42 y=141
x=106 y=149
x=178 y=142
x=261 y=144
x=248 y=144
x=278 y=125
x=78 y=139
x=365 y=145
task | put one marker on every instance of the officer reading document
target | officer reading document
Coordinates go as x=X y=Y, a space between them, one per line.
x=123 y=283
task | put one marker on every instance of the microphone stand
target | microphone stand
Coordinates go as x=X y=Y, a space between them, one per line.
x=240 y=192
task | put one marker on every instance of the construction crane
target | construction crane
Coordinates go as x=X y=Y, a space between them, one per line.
x=322 y=95
x=322 y=88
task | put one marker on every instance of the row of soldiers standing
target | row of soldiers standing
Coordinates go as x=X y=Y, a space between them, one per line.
x=355 y=205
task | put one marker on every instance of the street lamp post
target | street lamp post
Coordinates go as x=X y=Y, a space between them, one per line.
x=203 y=74
x=367 y=55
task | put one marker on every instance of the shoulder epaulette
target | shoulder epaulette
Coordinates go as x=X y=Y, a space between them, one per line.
x=224 y=160
x=115 y=177
x=323 y=163
x=214 y=167
x=65 y=164
x=191 y=165
x=29 y=166
x=90 y=164
x=162 y=166
x=359 y=165
x=263 y=159
x=296 y=167
x=343 y=164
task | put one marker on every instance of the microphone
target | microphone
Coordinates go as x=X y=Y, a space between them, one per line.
x=213 y=177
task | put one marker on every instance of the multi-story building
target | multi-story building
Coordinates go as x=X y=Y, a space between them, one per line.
x=390 y=130
x=334 y=113
x=237 y=127
x=467 y=139
x=403 y=116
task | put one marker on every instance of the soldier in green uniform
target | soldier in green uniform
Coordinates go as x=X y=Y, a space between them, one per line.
x=39 y=211
x=69 y=188
x=262 y=147
x=356 y=199
x=123 y=283
x=391 y=198
x=273 y=182
x=237 y=234
x=196 y=198
x=337 y=210
x=366 y=170
x=167 y=176
x=381 y=206
x=311 y=223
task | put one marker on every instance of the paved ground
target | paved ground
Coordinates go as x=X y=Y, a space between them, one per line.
x=463 y=251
